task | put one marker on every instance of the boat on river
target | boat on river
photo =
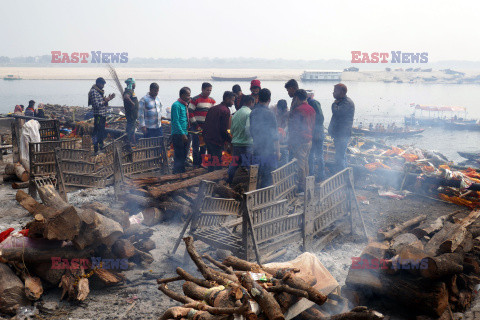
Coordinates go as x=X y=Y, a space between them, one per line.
x=473 y=156
x=233 y=78
x=464 y=125
x=11 y=77
x=448 y=117
x=398 y=133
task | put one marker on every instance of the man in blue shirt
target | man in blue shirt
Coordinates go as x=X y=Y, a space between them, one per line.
x=179 y=123
x=264 y=132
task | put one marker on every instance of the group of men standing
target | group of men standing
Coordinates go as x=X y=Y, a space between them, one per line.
x=254 y=131
x=148 y=111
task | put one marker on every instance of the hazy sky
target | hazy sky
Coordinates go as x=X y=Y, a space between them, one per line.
x=222 y=28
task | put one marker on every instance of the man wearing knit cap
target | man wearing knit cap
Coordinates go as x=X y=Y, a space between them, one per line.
x=40 y=113
x=130 y=103
x=255 y=87
x=340 y=128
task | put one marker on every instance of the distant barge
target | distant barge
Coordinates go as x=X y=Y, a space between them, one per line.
x=233 y=78
x=12 y=77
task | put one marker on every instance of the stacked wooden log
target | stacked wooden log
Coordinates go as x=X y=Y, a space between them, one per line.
x=237 y=287
x=15 y=172
x=431 y=267
x=170 y=196
x=61 y=244
x=159 y=187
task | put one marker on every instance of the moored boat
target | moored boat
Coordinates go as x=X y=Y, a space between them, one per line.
x=465 y=125
x=233 y=78
x=469 y=155
x=385 y=134
x=11 y=77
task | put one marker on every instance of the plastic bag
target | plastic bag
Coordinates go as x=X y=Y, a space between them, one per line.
x=29 y=133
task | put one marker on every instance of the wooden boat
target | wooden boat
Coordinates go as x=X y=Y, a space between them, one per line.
x=11 y=77
x=469 y=155
x=385 y=134
x=233 y=78
x=470 y=125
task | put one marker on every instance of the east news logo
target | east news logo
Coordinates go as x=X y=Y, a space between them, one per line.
x=382 y=57
x=96 y=57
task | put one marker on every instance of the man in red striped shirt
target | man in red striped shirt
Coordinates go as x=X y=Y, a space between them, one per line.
x=198 y=109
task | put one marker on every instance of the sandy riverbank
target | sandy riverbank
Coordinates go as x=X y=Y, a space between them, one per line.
x=147 y=73
x=90 y=73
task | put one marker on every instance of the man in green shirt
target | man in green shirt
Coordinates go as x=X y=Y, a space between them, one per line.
x=179 y=127
x=241 y=139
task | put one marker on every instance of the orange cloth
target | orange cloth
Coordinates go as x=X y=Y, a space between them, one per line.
x=393 y=151
x=375 y=165
x=409 y=157
x=460 y=201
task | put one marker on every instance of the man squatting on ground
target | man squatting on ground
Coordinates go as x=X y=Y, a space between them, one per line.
x=99 y=103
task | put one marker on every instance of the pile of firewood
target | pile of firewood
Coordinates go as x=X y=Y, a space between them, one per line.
x=158 y=187
x=17 y=174
x=424 y=268
x=237 y=287
x=64 y=235
x=171 y=196
x=56 y=111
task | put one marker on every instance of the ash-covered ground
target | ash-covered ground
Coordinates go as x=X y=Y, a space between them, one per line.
x=139 y=297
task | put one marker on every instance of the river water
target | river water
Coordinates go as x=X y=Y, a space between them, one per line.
x=374 y=101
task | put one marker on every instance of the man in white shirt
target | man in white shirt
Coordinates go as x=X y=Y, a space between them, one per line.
x=150 y=113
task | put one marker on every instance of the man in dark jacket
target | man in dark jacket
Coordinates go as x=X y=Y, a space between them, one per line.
x=99 y=103
x=130 y=103
x=340 y=128
x=215 y=130
x=316 y=152
x=30 y=112
x=264 y=132
x=40 y=113
x=316 y=163
x=301 y=125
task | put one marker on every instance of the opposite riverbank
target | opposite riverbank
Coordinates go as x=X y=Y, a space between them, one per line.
x=91 y=73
